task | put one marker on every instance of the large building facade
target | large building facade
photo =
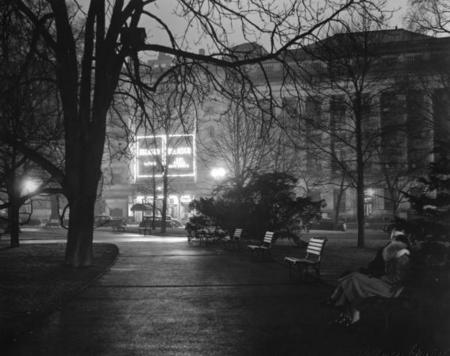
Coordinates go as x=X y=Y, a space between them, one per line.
x=165 y=157
x=373 y=101
x=376 y=101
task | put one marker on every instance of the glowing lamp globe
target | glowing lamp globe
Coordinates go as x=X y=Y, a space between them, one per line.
x=218 y=173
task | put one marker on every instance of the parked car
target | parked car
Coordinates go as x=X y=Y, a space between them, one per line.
x=170 y=222
x=117 y=224
x=101 y=220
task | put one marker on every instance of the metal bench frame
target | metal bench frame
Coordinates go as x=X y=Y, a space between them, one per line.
x=234 y=242
x=262 y=251
x=312 y=259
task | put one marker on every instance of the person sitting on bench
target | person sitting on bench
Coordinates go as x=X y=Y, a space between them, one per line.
x=354 y=287
x=377 y=267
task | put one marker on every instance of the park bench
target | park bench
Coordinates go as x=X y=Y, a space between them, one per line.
x=262 y=251
x=206 y=235
x=233 y=241
x=312 y=259
x=197 y=235
x=401 y=300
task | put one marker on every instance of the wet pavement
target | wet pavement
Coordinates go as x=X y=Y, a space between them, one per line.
x=165 y=297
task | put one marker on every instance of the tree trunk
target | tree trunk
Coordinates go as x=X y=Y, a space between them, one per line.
x=154 y=199
x=395 y=203
x=164 y=202
x=13 y=223
x=83 y=172
x=80 y=235
x=337 y=208
x=359 y=171
x=360 y=215
x=14 y=193
x=54 y=207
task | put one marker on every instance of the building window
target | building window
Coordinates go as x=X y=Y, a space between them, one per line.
x=389 y=62
x=315 y=195
x=339 y=199
x=441 y=113
x=393 y=137
x=369 y=199
x=418 y=134
x=339 y=132
x=211 y=131
x=291 y=107
x=313 y=134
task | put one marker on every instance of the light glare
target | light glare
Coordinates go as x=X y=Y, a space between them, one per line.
x=218 y=173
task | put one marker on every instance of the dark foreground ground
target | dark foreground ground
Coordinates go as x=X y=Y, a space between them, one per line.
x=34 y=283
x=165 y=297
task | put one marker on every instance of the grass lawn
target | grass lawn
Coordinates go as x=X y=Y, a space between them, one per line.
x=34 y=281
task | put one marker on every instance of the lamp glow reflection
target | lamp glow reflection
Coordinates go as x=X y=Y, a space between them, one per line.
x=218 y=173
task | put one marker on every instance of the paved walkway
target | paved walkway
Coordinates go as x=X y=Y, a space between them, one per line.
x=164 y=297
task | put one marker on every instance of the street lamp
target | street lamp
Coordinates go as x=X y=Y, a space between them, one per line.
x=370 y=192
x=218 y=173
x=30 y=186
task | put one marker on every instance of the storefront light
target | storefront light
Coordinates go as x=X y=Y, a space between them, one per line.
x=218 y=173
x=186 y=199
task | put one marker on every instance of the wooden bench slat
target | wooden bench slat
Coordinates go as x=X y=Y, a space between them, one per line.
x=316 y=244
x=317 y=253
x=314 y=249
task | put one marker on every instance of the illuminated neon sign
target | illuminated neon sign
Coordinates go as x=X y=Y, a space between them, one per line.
x=176 y=152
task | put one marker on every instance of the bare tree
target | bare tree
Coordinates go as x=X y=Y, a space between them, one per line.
x=168 y=118
x=237 y=140
x=29 y=112
x=344 y=74
x=432 y=17
x=89 y=64
x=429 y=16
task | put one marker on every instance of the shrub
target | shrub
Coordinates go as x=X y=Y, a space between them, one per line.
x=430 y=223
x=266 y=202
